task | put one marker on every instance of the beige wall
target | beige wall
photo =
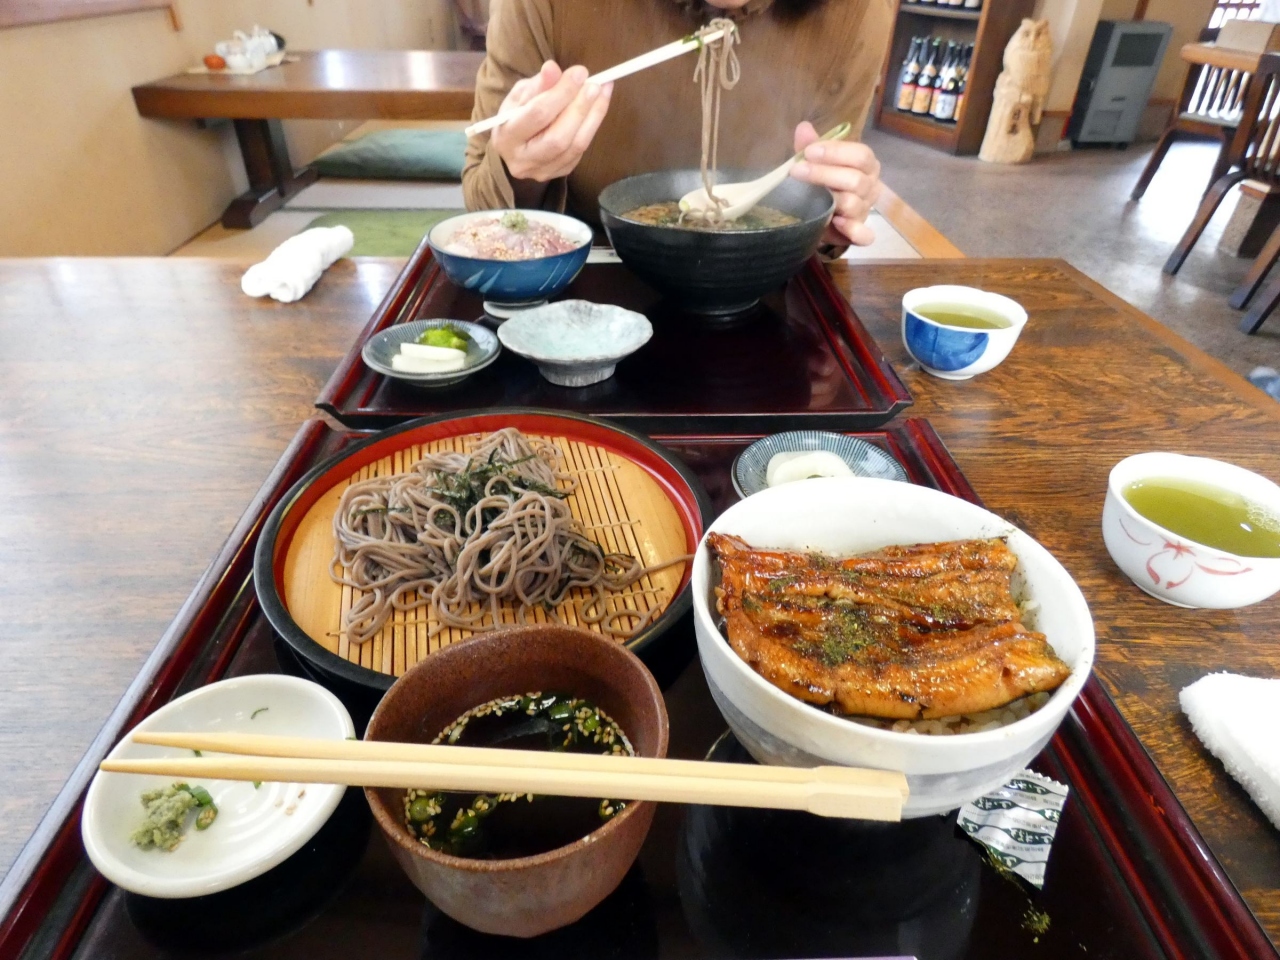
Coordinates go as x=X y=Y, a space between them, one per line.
x=82 y=173
x=1072 y=23
x=1071 y=26
x=1188 y=17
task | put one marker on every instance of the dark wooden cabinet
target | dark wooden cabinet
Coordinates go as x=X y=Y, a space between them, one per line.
x=988 y=29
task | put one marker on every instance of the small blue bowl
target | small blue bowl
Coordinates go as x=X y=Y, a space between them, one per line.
x=958 y=353
x=865 y=459
x=513 y=284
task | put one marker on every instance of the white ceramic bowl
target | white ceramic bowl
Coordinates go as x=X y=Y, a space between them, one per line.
x=955 y=353
x=849 y=515
x=256 y=828
x=1172 y=568
x=576 y=343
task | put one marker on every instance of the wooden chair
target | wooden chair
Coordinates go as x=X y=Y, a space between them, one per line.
x=1253 y=154
x=1210 y=106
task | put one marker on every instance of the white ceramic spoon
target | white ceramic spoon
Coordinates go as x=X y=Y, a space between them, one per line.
x=742 y=197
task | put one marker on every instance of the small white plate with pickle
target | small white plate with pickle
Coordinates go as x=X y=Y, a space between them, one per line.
x=203 y=836
x=431 y=353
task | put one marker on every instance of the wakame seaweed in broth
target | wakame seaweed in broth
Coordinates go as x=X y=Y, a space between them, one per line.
x=501 y=826
x=667 y=214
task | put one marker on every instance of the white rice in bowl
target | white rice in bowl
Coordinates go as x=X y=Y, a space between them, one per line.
x=966 y=722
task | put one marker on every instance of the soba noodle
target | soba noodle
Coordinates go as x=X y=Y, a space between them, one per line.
x=718 y=70
x=468 y=533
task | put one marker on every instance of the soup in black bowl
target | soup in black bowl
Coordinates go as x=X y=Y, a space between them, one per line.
x=713 y=271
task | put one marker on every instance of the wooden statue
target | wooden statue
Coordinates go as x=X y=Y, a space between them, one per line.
x=1019 y=97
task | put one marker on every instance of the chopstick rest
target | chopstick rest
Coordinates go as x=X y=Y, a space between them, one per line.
x=826 y=791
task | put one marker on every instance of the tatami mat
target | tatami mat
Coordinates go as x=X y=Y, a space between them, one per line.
x=255 y=244
x=218 y=241
x=330 y=193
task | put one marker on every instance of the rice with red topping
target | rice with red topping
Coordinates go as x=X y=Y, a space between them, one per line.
x=513 y=236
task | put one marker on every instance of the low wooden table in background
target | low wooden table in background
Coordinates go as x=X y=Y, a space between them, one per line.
x=317 y=85
x=128 y=459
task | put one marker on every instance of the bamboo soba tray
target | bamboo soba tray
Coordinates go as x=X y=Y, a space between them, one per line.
x=1129 y=878
x=629 y=496
x=800 y=359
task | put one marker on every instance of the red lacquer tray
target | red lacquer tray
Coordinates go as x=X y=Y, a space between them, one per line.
x=801 y=359
x=1129 y=876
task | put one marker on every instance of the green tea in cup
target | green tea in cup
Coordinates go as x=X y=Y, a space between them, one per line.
x=969 y=316
x=1208 y=514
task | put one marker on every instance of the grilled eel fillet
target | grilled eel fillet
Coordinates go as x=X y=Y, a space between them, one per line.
x=908 y=633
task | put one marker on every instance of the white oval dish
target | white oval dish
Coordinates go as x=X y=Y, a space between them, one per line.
x=864 y=459
x=576 y=343
x=256 y=828
x=1175 y=569
x=848 y=515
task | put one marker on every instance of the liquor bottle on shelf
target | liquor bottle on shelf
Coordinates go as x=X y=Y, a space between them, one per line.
x=973 y=4
x=910 y=74
x=945 y=96
x=963 y=85
x=946 y=73
x=924 y=86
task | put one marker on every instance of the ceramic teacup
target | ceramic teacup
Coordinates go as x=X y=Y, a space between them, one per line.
x=953 y=352
x=1173 y=568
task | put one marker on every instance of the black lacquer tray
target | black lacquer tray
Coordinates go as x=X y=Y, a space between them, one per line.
x=800 y=359
x=1129 y=876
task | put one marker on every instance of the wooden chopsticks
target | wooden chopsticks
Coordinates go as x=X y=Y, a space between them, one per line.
x=827 y=791
x=654 y=57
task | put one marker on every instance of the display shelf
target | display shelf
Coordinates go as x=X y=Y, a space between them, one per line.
x=945 y=12
x=988 y=29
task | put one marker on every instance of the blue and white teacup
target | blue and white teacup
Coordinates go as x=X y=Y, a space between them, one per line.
x=958 y=353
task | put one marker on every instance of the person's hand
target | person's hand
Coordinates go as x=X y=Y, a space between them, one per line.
x=851 y=172
x=559 y=114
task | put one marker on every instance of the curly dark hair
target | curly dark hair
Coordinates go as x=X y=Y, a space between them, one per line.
x=783 y=9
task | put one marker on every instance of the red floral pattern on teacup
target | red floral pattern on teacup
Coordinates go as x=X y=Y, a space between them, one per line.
x=1177 y=559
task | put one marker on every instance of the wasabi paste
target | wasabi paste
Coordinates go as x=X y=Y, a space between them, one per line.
x=167 y=810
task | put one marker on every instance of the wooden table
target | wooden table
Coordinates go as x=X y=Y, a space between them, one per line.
x=144 y=401
x=1091 y=381
x=143 y=449
x=317 y=85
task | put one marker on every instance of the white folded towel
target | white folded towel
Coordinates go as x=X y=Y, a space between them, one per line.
x=294 y=267
x=1238 y=718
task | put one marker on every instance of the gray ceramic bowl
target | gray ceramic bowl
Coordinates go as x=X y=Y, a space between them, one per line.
x=863 y=458
x=524 y=896
x=576 y=343
x=381 y=347
x=706 y=272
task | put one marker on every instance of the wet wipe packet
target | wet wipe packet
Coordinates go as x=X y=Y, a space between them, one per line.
x=1016 y=823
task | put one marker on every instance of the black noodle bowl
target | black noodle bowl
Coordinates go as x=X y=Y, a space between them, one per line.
x=713 y=272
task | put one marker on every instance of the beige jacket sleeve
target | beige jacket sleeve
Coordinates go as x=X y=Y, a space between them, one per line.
x=849 y=89
x=519 y=43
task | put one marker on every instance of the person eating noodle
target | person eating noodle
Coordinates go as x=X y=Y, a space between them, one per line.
x=806 y=65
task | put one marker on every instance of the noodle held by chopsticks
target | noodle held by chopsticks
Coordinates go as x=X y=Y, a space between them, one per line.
x=717 y=70
x=470 y=533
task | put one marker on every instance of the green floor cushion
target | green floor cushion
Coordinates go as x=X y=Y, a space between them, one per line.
x=384 y=233
x=398 y=155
